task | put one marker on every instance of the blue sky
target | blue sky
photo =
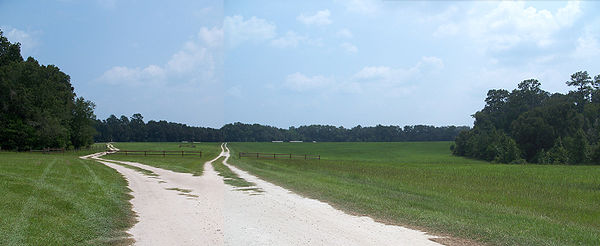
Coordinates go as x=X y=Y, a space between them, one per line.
x=284 y=63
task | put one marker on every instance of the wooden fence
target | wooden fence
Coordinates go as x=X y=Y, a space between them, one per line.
x=279 y=156
x=157 y=152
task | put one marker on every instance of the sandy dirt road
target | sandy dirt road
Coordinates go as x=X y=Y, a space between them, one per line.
x=181 y=209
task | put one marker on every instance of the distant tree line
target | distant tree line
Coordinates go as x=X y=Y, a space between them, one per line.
x=134 y=129
x=124 y=129
x=38 y=105
x=530 y=124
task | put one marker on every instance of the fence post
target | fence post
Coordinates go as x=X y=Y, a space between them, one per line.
x=304 y=157
x=125 y=152
x=163 y=153
x=144 y=153
x=182 y=153
x=290 y=156
x=256 y=155
x=273 y=156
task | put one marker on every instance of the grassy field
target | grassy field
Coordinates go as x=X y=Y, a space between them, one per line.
x=59 y=199
x=186 y=164
x=422 y=185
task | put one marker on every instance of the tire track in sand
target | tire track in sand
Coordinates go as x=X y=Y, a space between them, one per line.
x=220 y=214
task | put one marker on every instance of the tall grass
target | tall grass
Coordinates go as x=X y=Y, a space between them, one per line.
x=422 y=185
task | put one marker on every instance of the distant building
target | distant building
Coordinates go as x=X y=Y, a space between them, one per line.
x=295 y=141
x=278 y=141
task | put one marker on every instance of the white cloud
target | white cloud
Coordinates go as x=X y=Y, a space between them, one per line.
x=376 y=79
x=375 y=72
x=388 y=81
x=189 y=59
x=430 y=63
x=300 y=82
x=387 y=75
x=194 y=63
x=350 y=48
x=568 y=14
x=587 y=46
x=321 y=18
x=151 y=74
x=212 y=37
x=291 y=39
x=512 y=23
x=506 y=24
x=344 y=33
x=27 y=40
x=238 y=30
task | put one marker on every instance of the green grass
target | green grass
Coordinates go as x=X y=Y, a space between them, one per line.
x=230 y=178
x=180 y=190
x=59 y=199
x=139 y=169
x=422 y=185
x=184 y=164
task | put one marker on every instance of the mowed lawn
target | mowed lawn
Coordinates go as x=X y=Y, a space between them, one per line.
x=59 y=199
x=185 y=164
x=422 y=185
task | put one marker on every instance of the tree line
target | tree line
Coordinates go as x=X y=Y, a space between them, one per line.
x=123 y=129
x=529 y=124
x=38 y=105
x=39 y=109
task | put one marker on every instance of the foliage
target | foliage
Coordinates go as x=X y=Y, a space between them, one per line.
x=125 y=129
x=38 y=105
x=545 y=128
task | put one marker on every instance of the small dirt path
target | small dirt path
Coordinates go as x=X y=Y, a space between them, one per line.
x=167 y=213
x=181 y=209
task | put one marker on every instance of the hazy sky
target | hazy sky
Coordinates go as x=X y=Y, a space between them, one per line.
x=283 y=63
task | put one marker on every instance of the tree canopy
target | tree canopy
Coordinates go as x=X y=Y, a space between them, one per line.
x=530 y=124
x=38 y=105
x=134 y=129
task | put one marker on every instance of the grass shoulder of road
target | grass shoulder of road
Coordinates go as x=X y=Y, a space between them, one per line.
x=421 y=185
x=184 y=164
x=60 y=199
